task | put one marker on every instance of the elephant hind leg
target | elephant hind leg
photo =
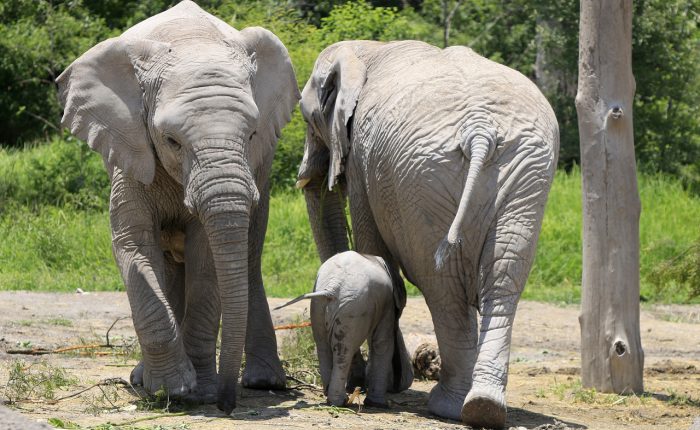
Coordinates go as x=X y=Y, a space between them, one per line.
x=455 y=323
x=506 y=258
x=379 y=368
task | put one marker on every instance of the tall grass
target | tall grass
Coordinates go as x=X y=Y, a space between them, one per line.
x=54 y=231
x=668 y=227
x=56 y=249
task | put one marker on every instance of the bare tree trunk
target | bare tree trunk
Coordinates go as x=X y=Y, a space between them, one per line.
x=612 y=358
x=447 y=15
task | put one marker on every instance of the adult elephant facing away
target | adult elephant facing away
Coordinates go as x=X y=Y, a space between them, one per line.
x=446 y=159
x=186 y=112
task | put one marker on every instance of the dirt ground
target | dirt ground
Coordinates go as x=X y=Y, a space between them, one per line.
x=543 y=391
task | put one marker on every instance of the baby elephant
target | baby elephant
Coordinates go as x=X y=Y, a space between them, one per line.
x=356 y=298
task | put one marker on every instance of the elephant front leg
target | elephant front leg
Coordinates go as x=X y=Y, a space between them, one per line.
x=203 y=312
x=456 y=330
x=263 y=369
x=174 y=293
x=165 y=363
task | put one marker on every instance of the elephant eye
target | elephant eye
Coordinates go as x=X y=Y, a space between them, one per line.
x=174 y=144
x=251 y=136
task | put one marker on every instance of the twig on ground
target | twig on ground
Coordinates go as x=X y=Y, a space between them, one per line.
x=149 y=418
x=293 y=326
x=302 y=384
x=104 y=382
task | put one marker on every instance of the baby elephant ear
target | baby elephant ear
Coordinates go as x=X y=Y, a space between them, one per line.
x=102 y=99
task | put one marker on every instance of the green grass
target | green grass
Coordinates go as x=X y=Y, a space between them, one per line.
x=38 y=380
x=56 y=249
x=60 y=248
x=668 y=227
x=290 y=260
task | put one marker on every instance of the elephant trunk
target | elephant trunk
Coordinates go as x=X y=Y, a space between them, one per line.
x=220 y=190
x=327 y=217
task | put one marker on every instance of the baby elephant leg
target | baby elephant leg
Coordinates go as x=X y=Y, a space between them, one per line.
x=342 y=359
x=379 y=365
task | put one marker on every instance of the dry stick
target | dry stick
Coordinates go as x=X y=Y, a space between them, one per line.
x=112 y=326
x=302 y=384
x=293 y=326
x=149 y=418
x=109 y=381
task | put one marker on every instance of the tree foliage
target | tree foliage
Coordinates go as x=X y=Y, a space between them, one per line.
x=39 y=38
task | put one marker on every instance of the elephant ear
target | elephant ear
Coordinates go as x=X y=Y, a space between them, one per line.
x=341 y=80
x=274 y=85
x=102 y=99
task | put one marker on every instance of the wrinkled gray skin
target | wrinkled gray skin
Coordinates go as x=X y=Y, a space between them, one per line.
x=356 y=298
x=446 y=159
x=186 y=112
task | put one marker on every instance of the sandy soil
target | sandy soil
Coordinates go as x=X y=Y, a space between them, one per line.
x=543 y=391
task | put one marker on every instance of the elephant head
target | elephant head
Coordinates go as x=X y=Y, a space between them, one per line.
x=207 y=108
x=328 y=102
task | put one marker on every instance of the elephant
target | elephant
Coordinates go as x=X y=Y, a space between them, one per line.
x=356 y=298
x=186 y=112
x=445 y=159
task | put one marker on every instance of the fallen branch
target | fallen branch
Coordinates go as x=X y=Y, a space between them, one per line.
x=293 y=326
x=152 y=417
x=102 y=383
x=302 y=384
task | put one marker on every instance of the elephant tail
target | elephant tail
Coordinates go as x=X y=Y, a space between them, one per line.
x=478 y=143
x=327 y=294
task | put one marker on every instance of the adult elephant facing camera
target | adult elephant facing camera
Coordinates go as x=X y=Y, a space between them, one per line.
x=186 y=112
x=446 y=159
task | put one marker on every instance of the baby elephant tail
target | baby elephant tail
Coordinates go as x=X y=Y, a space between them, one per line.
x=478 y=142
x=327 y=294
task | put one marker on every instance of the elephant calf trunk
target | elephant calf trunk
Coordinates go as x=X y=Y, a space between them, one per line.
x=478 y=145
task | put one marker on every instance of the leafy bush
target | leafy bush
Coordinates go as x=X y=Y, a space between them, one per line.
x=359 y=20
x=38 y=40
x=680 y=273
x=61 y=172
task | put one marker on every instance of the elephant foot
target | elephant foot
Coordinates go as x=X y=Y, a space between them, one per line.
x=445 y=403
x=179 y=381
x=376 y=403
x=136 y=377
x=484 y=407
x=265 y=374
x=206 y=391
x=337 y=401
